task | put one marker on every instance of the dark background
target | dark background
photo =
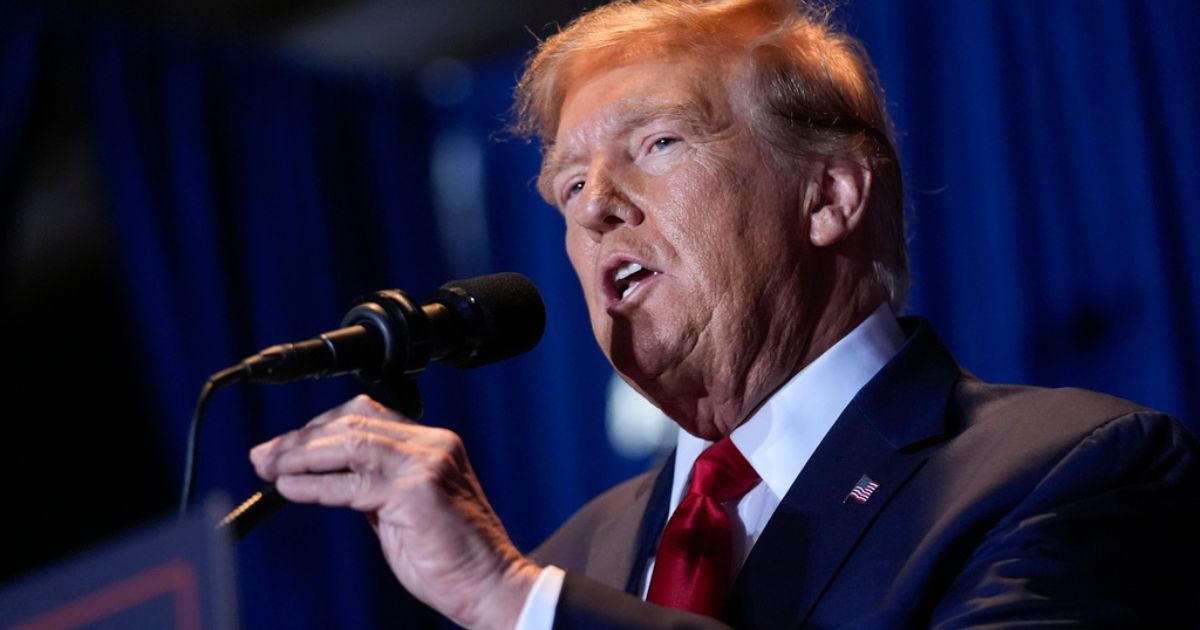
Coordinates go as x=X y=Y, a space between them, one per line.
x=184 y=183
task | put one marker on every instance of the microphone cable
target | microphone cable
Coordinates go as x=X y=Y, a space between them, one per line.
x=225 y=377
x=386 y=336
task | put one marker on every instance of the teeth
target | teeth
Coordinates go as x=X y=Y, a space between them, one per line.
x=629 y=289
x=626 y=270
x=621 y=278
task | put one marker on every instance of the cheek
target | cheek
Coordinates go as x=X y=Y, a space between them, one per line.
x=706 y=227
x=581 y=252
x=576 y=247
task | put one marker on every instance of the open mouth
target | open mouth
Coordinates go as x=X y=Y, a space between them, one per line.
x=627 y=277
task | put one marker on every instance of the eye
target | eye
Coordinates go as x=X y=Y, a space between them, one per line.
x=664 y=142
x=574 y=188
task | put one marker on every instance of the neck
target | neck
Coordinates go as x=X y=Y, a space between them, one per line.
x=789 y=344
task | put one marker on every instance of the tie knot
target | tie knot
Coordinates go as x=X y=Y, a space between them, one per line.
x=721 y=473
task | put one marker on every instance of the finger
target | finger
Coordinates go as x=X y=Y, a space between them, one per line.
x=388 y=427
x=350 y=424
x=260 y=454
x=358 y=451
x=344 y=489
x=264 y=454
x=365 y=491
x=361 y=405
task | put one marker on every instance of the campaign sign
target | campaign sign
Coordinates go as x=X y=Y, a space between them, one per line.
x=177 y=575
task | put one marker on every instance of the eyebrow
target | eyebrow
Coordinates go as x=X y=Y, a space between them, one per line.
x=696 y=115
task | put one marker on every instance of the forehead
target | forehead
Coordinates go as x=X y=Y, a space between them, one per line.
x=609 y=100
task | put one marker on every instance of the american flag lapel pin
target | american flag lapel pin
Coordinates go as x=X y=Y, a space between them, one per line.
x=862 y=490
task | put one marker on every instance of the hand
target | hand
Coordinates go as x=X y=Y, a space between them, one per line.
x=416 y=486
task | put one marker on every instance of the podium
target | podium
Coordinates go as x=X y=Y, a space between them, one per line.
x=174 y=575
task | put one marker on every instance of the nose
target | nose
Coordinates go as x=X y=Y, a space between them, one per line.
x=606 y=206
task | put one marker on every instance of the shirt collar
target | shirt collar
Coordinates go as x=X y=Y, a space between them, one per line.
x=783 y=433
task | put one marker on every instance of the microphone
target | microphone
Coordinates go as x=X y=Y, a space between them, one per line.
x=386 y=335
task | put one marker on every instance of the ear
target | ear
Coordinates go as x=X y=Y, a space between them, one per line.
x=844 y=190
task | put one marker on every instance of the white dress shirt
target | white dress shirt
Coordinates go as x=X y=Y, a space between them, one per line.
x=777 y=440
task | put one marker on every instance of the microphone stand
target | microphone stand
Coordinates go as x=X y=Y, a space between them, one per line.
x=387 y=337
x=267 y=502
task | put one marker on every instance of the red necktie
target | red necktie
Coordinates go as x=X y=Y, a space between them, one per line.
x=694 y=566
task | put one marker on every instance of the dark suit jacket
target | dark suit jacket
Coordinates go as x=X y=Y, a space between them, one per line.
x=996 y=504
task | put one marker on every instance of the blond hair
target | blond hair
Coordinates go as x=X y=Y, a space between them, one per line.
x=814 y=90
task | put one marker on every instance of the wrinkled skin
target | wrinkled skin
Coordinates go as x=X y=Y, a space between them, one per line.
x=438 y=532
x=754 y=269
x=653 y=164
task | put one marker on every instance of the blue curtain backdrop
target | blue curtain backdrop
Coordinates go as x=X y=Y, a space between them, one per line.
x=1051 y=150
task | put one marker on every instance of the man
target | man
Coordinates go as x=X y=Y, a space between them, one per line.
x=734 y=211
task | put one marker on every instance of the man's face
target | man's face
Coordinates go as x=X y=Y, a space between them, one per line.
x=686 y=236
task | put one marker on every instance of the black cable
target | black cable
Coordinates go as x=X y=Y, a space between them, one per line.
x=215 y=382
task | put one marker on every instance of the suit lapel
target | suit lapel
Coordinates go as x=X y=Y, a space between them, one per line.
x=817 y=525
x=624 y=543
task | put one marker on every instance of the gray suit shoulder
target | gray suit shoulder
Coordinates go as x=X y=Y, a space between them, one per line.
x=569 y=545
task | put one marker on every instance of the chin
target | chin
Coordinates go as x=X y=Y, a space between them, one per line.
x=643 y=363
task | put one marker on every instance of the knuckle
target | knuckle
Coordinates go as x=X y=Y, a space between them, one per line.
x=364 y=405
x=362 y=401
x=353 y=423
x=353 y=406
x=448 y=441
x=286 y=442
x=367 y=453
x=356 y=442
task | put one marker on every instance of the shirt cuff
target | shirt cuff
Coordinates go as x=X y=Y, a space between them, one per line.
x=538 y=611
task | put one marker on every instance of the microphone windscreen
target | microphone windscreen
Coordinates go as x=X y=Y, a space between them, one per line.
x=504 y=313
